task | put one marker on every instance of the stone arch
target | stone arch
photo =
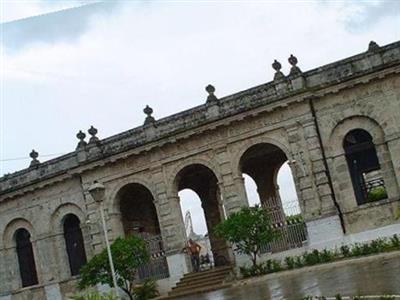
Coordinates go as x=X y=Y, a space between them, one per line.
x=12 y=227
x=342 y=180
x=11 y=251
x=187 y=162
x=58 y=216
x=342 y=127
x=111 y=196
x=59 y=247
x=202 y=180
x=262 y=162
x=135 y=204
x=137 y=213
x=244 y=146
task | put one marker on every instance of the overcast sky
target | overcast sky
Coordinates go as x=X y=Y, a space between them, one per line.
x=66 y=65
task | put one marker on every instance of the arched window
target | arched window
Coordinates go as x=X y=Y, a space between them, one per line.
x=364 y=166
x=74 y=242
x=26 y=259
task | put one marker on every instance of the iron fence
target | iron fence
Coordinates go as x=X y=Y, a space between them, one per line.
x=291 y=229
x=157 y=267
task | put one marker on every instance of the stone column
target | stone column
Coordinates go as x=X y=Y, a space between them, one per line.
x=172 y=227
x=9 y=271
x=231 y=185
x=324 y=225
x=46 y=266
x=393 y=144
x=389 y=165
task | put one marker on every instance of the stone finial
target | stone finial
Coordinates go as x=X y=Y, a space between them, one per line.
x=211 y=97
x=81 y=137
x=93 y=131
x=34 y=155
x=149 y=119
x=373 y=47
x=277 y=67
x=294 y=70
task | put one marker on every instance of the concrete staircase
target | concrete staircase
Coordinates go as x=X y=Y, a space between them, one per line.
x=200 y=282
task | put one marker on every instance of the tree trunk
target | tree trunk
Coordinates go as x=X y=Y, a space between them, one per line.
x=254 y=259
x=128 y=293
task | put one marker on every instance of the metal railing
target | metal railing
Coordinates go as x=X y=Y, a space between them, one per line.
x=292 y=230
x=157 y=267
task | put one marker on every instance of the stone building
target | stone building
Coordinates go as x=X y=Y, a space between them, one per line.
x=338 y=127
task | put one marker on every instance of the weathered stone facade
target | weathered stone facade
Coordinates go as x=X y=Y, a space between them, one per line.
x=302 y=118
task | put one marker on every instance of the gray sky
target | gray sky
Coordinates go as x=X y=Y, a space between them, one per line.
x=100 y=63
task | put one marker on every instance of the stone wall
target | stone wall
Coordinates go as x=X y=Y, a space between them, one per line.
x=306 y=115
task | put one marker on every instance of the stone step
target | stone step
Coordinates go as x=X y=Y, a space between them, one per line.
x=199 y=282
x=194 y=281
x=203 y=283
x=204 y=289
x=206 y=273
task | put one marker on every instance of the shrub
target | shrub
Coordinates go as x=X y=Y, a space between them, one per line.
x=327 y=256
x=377 y=194
x=298 y=262
x=128 y=255
x=290 y=263
x=93 y=295
x=395 y=241
x=272 y=265
x=345 y=250
x=311 y=258
x=248 y=229
x=147 y=290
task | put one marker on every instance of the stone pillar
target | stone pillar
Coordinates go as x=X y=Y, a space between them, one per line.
x=9 y=273
x=53 y=292
x=231 y=186
x=323 y=225
x=394 y=150
x=174 y=237
x=388 y=168
x=46 y=266
x=172 y=227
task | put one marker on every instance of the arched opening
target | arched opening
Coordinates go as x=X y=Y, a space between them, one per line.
x=364 y=167
x=139 y=217
x=26 y=259
x=268 y=178
x=204 y=183
x=74 y=243
x=195 y=224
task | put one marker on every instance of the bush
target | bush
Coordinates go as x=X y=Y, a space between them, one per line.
x=93 y=295
x=147 y=290
x=290 y=263
x=324 y=256
x=395 y=241
x=298 y=262
x=248 y=229
x=270 y=266
x=327 y=256
x=377 y=194
x=345 y=250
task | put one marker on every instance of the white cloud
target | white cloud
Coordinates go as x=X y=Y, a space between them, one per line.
x=19 y=9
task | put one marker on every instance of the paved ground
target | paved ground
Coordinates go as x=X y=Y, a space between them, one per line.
x=372 y=275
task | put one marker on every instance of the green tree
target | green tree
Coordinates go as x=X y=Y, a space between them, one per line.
x=248 y=229
x=128 y=254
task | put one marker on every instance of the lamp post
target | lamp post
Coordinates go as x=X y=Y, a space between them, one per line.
x=96 y=190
